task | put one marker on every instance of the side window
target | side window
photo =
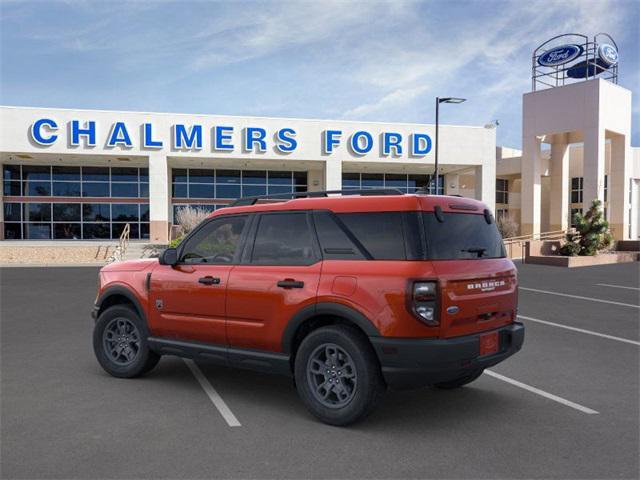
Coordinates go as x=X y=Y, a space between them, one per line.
x=334 y=242
x=283 y=239
x=216 y=243
x=381 y=233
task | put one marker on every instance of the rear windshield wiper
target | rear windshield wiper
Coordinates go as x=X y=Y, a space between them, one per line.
x=479 y=250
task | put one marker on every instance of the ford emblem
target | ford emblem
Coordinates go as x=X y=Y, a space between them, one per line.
x=608 y=54
x=560 y=55
x=452 y=310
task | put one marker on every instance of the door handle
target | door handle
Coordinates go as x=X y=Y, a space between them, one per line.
x=209 y=280
x=290 y=283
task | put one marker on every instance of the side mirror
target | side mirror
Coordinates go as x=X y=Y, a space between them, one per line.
x=169 y=257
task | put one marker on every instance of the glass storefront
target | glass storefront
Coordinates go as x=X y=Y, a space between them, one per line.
x=406 y=183
x=198 y=184
x=63 y=213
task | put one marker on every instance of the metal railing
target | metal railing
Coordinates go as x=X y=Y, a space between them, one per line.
x=123 y=243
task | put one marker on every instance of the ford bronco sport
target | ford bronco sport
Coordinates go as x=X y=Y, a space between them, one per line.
x=349 y=292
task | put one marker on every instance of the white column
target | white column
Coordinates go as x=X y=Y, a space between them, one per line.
x=485 y=184
x=449 y=180
x=314 y=177
x=159 y=197
x=332 y=174
x=531 y=186
x=593 y=167
x=559 y=205
x=618 y=188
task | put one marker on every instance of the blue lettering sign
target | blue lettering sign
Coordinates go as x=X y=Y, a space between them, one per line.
x=186 y=139
x=560 y=55
x=286 y=140
x=147 y=138
x=119 y=136
x=89 y=131
x=331 y=139
x=391 y=140
x=420 y=144
x=36 y=131
x=255 y=136
x=221 y=137
x=359 y=147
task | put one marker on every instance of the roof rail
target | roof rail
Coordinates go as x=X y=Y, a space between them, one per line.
x=283 y=197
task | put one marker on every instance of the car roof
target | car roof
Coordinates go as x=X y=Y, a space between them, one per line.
x=365 y=203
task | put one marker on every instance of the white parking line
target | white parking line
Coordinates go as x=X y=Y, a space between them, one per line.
x=581 y=330
x=581 y=298
x=213 y=395
x=616 y=286
x=542 y=393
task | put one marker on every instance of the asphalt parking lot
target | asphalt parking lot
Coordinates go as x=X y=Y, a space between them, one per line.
x=566 y=406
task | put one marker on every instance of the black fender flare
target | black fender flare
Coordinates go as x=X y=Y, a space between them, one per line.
x=125 y=292
x=325 y=308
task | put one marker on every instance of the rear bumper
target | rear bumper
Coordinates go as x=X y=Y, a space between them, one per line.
x=413 y=363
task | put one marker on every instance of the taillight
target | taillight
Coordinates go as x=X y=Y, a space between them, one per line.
x=424 y=296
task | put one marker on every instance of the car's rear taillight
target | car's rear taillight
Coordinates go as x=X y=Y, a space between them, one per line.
x=424 y=296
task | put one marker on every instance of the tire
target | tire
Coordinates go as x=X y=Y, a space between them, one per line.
x=132 y=357
x=338 y=363
x=460 y=381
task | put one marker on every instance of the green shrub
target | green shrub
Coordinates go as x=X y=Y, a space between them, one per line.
x=592 y=233
x=176 y=241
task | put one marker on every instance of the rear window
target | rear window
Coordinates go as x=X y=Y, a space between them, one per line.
x=380 y=233
x=461 y=236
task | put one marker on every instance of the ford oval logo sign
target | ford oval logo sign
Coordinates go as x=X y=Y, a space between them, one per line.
x=560 y=55
x=608 y=54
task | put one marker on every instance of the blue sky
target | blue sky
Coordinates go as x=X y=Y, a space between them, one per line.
x=377 y=61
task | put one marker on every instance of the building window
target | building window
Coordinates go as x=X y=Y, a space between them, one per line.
x=74 y=221
x=502 y=213
x=66 y=213
x=576 y=190
x=573 y=212
x=400 y=181
x=502 y=190
x=64 y=181
x=606 y=187
x=209 y=184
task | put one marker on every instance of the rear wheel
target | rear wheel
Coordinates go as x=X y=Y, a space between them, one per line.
x=120 y=343
x=337 y=375
x=460 y=381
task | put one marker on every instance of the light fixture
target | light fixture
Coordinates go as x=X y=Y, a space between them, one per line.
x=440 y=100
x=451 y=100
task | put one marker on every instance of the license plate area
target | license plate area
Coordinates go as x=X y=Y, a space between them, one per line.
x=489 y=343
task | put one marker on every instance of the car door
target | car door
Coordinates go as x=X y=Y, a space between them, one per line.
x=278 y=275
x=187 y=300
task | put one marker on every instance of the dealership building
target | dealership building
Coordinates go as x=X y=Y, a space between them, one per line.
x=85 y=174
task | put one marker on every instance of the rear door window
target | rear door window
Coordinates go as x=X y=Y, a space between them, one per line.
x=461 y=236
x=284 y=239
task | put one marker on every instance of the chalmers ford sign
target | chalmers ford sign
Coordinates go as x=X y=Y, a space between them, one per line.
x=222 y=138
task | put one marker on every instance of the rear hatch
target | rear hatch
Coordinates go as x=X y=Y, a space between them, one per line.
x=477 y=283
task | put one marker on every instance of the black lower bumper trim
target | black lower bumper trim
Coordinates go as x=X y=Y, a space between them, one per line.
x=414 y=363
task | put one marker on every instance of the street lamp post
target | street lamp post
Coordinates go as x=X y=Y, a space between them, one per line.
x=438 y=102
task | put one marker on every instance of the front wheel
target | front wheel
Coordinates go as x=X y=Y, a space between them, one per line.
x=460 y=381
x=337 y=375
x=120 y=343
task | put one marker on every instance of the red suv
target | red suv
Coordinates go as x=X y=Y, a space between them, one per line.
x=349 y=292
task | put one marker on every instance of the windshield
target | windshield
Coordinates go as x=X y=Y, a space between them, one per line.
x=461 y=236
